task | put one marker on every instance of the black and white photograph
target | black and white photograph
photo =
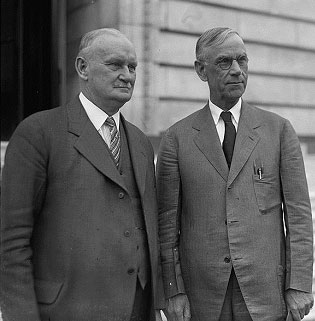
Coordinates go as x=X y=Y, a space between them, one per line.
x=157 y=160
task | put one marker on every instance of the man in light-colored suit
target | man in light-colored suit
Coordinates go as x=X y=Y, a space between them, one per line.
x=79 y=212
x=235 y=220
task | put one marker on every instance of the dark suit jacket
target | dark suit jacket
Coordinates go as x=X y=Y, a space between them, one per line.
x=66 y=255
x=211 y=219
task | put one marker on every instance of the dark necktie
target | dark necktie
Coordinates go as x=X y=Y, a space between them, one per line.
x=114 y=139
x=229 y=136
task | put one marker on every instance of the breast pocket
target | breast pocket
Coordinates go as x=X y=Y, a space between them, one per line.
x=267 y=191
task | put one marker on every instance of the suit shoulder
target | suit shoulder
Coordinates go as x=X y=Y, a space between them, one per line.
x=184 y=122
x=268 y=115
x=42 y=117
x=274 y=122
x=138 y=133
x=36 y=125
x=136 y=130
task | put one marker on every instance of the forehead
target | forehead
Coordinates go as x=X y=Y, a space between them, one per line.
x=231 y=46
x=109 y=46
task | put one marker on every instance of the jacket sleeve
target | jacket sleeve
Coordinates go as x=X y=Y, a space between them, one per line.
x=297 y=213
x=169 y=203
x=22 y=192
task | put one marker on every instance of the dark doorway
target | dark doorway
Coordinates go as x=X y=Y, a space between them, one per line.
x=26 y=61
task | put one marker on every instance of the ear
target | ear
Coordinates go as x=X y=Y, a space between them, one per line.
x=200 y=70
x=81 y=66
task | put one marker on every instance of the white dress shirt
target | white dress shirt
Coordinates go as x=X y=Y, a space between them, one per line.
x=97 y=116
x=218 y=121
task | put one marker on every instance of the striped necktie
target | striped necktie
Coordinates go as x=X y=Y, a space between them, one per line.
x=114 y=139
x=229 y=136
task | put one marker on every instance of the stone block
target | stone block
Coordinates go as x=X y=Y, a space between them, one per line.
x=190 y=17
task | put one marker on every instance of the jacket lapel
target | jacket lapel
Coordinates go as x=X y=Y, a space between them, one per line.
x=246 y=140
x=89 y=142
x=208 y=141
x=137 y=154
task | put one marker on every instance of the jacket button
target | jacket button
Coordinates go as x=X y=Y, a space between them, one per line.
x=121 y=195
x=227 y=259
x=127 y=233
x=131 y=271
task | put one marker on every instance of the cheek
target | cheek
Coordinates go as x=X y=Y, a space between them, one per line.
x=133 y=78
x=245 y=72
x=222 y=79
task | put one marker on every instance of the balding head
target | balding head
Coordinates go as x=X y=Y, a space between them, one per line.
x=89 y=38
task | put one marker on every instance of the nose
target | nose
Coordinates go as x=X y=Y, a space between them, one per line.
x=126 y=75
x=235 y=68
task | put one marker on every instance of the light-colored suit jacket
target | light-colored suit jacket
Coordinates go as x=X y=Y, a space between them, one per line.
x=212 y=219
x=68 y=244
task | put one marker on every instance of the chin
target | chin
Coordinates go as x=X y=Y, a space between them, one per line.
x=124 y=92
x=123 y=98
x=236 y=93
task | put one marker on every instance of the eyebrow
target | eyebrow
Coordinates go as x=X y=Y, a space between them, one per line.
x=230 y=56
x=120 y=60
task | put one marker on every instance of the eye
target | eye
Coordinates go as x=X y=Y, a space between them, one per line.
x=224 y=61
x=113 y=65
x=242 y=60
x=132 y=68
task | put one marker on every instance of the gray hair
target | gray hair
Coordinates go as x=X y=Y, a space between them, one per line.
x=88 y=38
x=211 y=38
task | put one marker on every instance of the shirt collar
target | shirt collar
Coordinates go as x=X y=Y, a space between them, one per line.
x=96 y=115
x=216 y=111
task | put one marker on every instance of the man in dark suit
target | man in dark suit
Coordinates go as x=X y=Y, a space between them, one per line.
x=235 y=220
x=79 y=214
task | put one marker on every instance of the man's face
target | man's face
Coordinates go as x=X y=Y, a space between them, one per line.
x=226 y=85
x=111 y=72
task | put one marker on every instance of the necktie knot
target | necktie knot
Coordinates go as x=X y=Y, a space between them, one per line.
x=226 y=116
x=110 y=122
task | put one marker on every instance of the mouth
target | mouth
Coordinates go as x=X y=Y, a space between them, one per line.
x=123 y=86
x=123 y=89
x=235 y=83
